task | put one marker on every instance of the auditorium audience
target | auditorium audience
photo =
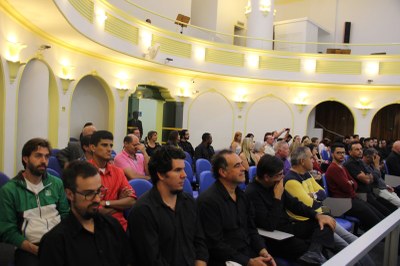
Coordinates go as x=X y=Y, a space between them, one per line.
x=184 y=142
x=259 y=150
x=393 y=159
x=204 y=150
x=150 y=142
x=269 y=143
x=173 y=139
x=282 y=152
x=247 y=155
x=236 y=142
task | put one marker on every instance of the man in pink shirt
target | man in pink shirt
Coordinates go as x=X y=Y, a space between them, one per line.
x=119 y=195
x=133 y=159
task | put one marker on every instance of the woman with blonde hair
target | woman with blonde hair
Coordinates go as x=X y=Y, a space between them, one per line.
x=247 y=155
x=236 y=142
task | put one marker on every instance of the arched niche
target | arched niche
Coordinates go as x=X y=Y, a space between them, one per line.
x=266 y=115
x=211 y=112
x=91 y=101
x=330 y=119
x=386 y=123
x=2 y=115
x=37 y=105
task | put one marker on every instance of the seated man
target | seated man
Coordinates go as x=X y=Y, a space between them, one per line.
x=120 y=195
x=227 y=217
x=300 y=184
x=164 y=226
x=359 y=171
x=134 y=164
x=204 y=150
x=85 y=237
x=270 y=200
x=372 y=159
x=31 y=203
x=342 y=185
x=282 y=152
x=74 y=151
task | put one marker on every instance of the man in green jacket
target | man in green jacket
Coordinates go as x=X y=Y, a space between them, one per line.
x=31 y=203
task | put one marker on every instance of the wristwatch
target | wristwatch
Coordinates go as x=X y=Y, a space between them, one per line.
x=107 y=203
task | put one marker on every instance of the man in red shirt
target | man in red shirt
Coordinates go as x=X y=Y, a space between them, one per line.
x=342 y=185
x=119 y=195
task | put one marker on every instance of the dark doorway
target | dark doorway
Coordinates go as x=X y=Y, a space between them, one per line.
x=386 y=123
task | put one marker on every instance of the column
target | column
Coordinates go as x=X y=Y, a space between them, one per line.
x=260 y=22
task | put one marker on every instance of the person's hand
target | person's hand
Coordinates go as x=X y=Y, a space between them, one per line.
x=264 y=253
x=390 y=189
x=258 y=261
x=325 y=220
x=125 y=192
x=278 y=189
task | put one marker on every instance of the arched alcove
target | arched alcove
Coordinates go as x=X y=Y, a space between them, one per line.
x=92 y=101
x=33 y=106
x=211 y=112
x=333 y=118
x=386 y=123
x=2 y=115
x=266 y=115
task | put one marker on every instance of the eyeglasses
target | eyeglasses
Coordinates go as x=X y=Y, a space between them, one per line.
x=91 y=195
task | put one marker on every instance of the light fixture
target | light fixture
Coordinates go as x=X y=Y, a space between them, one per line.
x=13 y=58
x=240 y=98
x=309 y=65
x=371 y=68
x=199 y=53
x=252 y=60
x=122 y=84
x=266 y=7
x=247 y=8
x=66 y=75
x=364 y=106
x=145 y=40
x=183 y=91
x=101 y=16
x=301 y=101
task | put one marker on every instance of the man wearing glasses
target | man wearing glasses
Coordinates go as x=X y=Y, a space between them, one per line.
x=120 y=195
x=85 y=237
x=31 y=203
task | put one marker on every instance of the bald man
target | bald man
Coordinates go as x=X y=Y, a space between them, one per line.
x=133 y=162
x=74 y=151
x=393 y=160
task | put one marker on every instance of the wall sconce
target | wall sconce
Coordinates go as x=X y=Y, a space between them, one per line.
x=66 y=76
x=301 y=102
x=309 y=65
x=199 y=53
x=183 y=92
x=240 y=104
x=252 y=60
x=65 y=84
x=101 y=17
x=145 y=40
x=240 y=99
x=265 y=7
x=13 y=59
x=122 y=92
x=247 y=8
x=364 y=106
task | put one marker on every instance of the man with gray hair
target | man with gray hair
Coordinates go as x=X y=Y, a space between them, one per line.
x=372 y=159
x=282 y=152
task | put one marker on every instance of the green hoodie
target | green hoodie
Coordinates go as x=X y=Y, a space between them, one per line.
x=27 y=216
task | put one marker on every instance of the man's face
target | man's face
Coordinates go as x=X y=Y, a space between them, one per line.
x=234 y=172
x=103 y=149
x=136 y=132
x=339 y=155
x=186 y=136
x=85 y=200
x=174 y=179
x=283 y=152
x=209 y=141
x=356 y=151
x=383 y=144
x=37 y=162
x=276 y=178
x=270 y=139
x=307 y=163
x=132 y=147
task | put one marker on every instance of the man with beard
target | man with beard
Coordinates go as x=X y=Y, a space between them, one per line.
x=184 y=142
x=164 y=227
x=85 y=237
x=31 y=203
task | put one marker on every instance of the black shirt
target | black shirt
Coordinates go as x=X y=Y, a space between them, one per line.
x=270 y=213
x=393 y=163
x=204 y=151
x=68 y=243
x=162 y=236
x=355 y=166
x=231 y=234
x=187 y=147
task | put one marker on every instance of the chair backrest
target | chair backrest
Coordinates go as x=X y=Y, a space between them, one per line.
x=325 y=184
x=202 y=165
x=140 y=186
x=206 y=180
x=189 y=172
x=54 y=164
x=252 y=173
x=386 y=167
x=53 y=172
x=54 y=152
x=3 y=179
x=188 y=158
x=187 y=187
